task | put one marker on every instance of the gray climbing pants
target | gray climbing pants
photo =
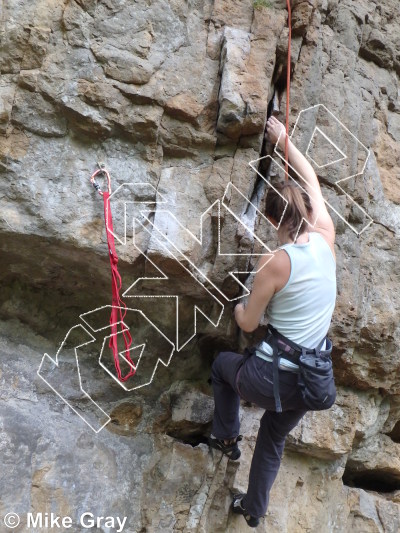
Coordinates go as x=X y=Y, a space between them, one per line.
x=235 y=376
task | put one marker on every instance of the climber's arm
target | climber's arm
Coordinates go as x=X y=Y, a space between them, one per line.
x=266 y=281
x=309 y=180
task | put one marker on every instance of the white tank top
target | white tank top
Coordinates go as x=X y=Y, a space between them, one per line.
x=302 y=310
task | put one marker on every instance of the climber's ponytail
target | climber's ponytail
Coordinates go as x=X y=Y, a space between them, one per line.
x=298 y=207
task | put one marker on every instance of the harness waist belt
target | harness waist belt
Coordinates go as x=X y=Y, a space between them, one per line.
x=282 y=346
x=284 y=364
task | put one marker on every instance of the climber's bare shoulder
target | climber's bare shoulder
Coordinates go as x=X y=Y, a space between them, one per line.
x=274 y=270
x=327 y=231
x=323 y=223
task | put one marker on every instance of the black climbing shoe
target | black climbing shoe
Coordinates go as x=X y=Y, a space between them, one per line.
x=230 y=450
x=237 y=508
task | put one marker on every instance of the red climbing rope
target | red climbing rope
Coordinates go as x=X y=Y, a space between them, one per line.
x=118 y=306
x=288 y=88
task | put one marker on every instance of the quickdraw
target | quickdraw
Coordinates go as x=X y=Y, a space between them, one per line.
x=119 y=308
x=100 y=170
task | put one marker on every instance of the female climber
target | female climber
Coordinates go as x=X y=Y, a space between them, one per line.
x=297 y=287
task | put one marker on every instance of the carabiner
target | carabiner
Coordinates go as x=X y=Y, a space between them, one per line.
x=101 y=170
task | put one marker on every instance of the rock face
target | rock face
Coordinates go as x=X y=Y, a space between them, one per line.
x=173 y=97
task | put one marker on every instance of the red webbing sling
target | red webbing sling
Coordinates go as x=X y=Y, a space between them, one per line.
x=118 y=309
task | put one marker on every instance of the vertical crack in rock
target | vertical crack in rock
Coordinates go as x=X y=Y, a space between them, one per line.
x=279 y=88
x=215 y=482
x=259 y=188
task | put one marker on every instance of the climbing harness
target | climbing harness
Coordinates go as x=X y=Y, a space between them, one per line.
x=118 y=306
x=314 y=369
x=288 y=89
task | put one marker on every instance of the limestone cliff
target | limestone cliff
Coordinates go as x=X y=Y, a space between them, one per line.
x=173 y=97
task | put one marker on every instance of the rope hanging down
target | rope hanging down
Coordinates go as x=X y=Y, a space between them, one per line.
x=288 y=88
x=118 y=306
